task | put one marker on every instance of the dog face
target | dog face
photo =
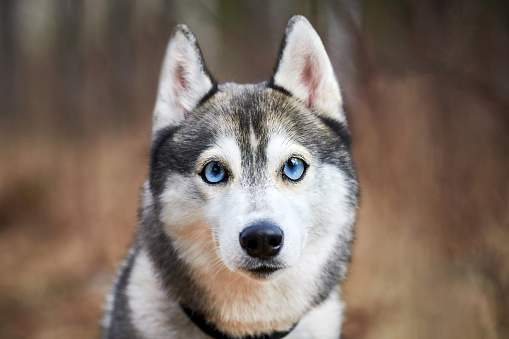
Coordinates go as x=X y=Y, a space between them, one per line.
x=254 y=178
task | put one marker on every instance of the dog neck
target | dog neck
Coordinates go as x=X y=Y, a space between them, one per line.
x=214 y=332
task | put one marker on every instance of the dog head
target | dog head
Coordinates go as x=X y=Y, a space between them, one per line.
x=255 y=178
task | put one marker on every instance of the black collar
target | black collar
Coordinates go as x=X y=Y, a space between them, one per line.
x=212 y=330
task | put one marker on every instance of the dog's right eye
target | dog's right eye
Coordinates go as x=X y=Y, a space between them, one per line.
x=213 y=173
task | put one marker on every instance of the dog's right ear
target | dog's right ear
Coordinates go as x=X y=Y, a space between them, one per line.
x=183 y=82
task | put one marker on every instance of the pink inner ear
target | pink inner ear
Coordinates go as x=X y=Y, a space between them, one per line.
x=180 y=86
x=309 y=79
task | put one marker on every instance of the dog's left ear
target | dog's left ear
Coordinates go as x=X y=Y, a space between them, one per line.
x=183 y=82
x=304 y=69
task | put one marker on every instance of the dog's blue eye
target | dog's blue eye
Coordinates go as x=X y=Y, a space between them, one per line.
x=213 y=172
x=294 y=169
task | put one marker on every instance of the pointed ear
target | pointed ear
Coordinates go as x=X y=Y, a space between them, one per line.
x=183 y=82
x=304 y=69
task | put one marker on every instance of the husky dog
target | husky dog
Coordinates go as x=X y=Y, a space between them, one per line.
x=248 y=211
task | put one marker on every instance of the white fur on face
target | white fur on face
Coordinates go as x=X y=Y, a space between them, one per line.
x=306 y=71
x=183 y=81
x=272 y=199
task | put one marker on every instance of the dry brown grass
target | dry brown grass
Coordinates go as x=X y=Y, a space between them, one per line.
x=68 y=213
x=431 y=258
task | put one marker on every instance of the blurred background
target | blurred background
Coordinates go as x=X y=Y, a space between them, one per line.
x=427 y=92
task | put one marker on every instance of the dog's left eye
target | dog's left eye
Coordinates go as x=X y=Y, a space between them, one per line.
x=294 y=169
x=213 y=173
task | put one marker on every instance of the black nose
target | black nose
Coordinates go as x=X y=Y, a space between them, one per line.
x=262 y=240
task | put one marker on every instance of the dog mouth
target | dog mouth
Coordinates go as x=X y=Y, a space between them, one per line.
x=263 y=271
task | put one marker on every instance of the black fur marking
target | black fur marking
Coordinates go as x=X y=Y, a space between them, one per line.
x=339 y=129
x=156 y=180
x=215 y=333
x=288 y=30
x=275 y=87
x=209 y=94
x=177 y=148
x=120 y=326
